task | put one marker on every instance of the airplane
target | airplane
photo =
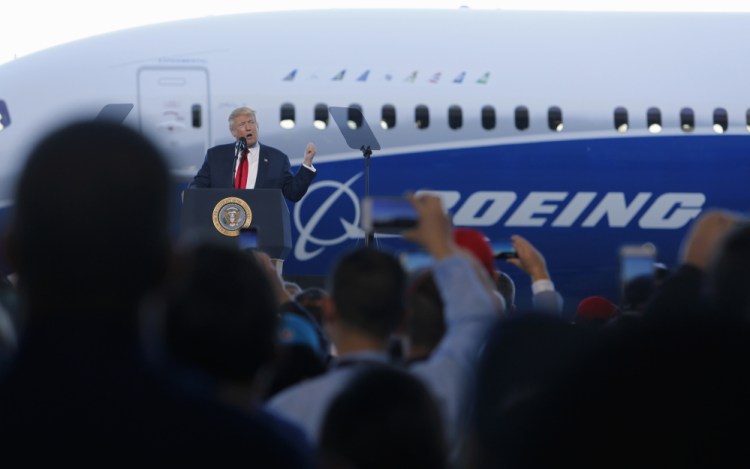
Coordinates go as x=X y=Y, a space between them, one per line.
x=581 y=131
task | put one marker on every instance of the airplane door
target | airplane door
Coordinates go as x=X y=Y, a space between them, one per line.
x=173 y=106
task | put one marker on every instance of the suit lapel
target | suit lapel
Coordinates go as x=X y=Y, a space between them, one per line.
x=230 y=166
x=262 y=167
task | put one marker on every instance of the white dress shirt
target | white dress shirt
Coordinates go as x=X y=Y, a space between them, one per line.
x=252 y=166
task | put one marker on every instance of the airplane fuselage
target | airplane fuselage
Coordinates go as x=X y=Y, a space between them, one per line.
x=579 y=131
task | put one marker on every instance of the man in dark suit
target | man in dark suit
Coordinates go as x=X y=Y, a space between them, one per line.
x=266 y=167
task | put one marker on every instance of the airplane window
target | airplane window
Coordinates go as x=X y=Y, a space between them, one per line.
x=554 y=119
x=687 y=119
x=653 y=117
x=286 y=119
x=354 y=119
x=321 y=117
x=721 y=120
x=488 y=117
x=388 y=117
x=4 y=115
x=422 y=116
x=455 y=117
x=196 y=116
x=522 y=118
x=621 y=119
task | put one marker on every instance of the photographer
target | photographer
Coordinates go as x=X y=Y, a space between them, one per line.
x=367 y=305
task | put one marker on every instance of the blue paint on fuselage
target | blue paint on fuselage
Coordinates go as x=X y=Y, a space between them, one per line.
x=583 y=260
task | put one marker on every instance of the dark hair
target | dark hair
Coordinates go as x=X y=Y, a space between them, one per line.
x=90 y=222
x=384 y=417
x=294 y=364
x=425 y=322
x=368 y=289
x=664 y=393
x=311 y=293
x=637 y=292
x=222 y=316
x=521 y=357
x=730 y=274
x=310 y=298
x=507 y=288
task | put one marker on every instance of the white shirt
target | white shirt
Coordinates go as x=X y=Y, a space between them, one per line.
x=252 y=166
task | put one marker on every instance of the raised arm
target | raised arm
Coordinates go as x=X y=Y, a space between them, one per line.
x=531 y=261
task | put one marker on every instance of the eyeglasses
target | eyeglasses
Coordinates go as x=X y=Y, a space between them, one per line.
x=250 y=123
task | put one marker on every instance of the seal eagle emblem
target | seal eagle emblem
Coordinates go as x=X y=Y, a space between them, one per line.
x=231 y=215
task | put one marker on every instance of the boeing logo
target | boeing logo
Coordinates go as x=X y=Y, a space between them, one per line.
x=349 y=230
x=667 y=211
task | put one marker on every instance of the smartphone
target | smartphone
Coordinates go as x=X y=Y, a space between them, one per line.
x=503 y=249
x=636 y=261
x=248 y=238
x=387 y=214
x=415 y=261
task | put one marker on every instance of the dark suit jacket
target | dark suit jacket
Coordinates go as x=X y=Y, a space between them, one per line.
x=274 y=171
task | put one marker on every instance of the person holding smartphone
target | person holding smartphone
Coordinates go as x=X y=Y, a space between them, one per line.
x=529 y=259
x=366 y=306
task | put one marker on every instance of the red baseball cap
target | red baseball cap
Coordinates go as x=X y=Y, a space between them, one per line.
x=477 y=243
x=594 y=308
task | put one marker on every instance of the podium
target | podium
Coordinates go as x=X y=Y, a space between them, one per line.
x=234 y=216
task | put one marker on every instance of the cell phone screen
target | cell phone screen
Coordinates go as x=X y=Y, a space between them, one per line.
x=388 y=214
x=393 y=212
x=415 y=261
x=636 y=266
x=248 y=239
x=503 y=249
x=636 y=261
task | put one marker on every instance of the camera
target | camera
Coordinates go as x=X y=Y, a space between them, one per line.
x=388 y=214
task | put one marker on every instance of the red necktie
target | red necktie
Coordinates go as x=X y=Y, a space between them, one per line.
x=240 y=181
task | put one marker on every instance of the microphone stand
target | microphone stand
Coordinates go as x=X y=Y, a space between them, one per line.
x=367 y=153
x=360 y=137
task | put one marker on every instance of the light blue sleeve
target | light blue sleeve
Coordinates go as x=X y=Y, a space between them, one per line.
x=470 y=310
x=548 y=302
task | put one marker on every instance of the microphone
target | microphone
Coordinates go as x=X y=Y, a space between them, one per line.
x=239 y=147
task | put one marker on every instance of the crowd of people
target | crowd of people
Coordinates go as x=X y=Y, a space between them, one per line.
x=117 y=345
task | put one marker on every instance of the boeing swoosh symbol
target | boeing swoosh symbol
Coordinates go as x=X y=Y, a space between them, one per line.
x=350 y=229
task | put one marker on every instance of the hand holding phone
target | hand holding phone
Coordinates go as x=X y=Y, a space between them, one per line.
x=529 y=259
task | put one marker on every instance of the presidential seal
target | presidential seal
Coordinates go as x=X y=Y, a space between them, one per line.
x=231 y=215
